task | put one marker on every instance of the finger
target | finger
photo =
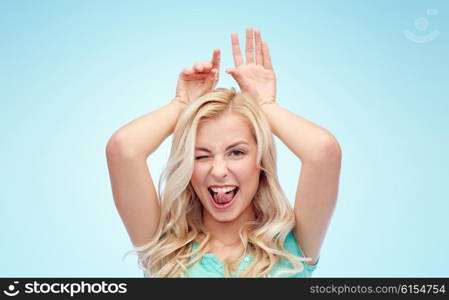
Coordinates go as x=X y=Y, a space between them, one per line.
x=188 y=71
x=216 y=59
x=236 y=49
x=207 y=66
x=259 y=54
x=198 y=67
x=266 y=56
x=249 y=46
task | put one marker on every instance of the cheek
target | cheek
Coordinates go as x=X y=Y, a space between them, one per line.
x=246 y=171
x=198 y=176
x=198 y=171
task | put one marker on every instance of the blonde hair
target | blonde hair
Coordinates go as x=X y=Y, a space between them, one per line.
x=170 y=253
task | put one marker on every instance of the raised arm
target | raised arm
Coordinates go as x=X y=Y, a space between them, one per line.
x=129 y=147
x=317 y=148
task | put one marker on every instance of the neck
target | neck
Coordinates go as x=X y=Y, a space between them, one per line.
x=227 y=233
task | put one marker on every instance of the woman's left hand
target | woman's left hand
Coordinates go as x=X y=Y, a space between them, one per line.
x=256 y=76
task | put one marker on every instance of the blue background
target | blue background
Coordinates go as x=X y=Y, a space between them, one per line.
x=73 y=72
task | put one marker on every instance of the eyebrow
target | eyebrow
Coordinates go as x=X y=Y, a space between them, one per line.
x=228 y=147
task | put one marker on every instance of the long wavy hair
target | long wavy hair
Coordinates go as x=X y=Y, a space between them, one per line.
x=170 y=252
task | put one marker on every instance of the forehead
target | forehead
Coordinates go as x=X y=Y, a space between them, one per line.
x=224 y=130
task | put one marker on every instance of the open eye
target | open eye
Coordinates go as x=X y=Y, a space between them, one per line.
x=238 y=151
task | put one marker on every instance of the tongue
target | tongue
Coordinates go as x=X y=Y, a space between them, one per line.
x=223 y=197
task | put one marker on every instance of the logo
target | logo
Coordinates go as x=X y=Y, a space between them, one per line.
x=421 y=24
x=10 y=292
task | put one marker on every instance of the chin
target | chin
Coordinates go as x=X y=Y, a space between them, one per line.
x=224 y=217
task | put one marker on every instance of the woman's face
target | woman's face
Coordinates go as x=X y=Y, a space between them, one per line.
x=225 y=155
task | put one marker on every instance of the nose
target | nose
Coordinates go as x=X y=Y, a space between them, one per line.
x=219 y=168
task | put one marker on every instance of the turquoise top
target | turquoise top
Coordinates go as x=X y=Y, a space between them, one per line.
x=210 y=266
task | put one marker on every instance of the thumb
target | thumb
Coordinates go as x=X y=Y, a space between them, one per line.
x=232 y=72
x=213 y=77
x=213 y=74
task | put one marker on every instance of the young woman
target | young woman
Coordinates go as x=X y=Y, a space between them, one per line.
x=222 y=211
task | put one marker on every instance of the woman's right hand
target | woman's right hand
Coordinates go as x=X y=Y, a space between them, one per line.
x=198 y=80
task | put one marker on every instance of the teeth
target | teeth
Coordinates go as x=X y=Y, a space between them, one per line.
x=223 y=190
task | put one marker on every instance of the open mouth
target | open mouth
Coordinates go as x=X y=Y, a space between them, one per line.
x=223 y=200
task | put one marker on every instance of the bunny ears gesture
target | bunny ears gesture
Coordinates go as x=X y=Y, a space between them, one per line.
x=262 y=53
x=255 y=77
